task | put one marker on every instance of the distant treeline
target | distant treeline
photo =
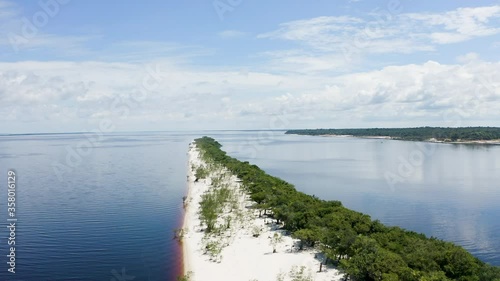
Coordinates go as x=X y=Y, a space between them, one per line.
x=419 y=134
x=363 y=248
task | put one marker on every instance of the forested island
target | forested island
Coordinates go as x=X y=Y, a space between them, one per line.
x=363 y=248
x=441 y=134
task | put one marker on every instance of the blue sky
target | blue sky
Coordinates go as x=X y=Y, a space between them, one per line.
x=227 y=64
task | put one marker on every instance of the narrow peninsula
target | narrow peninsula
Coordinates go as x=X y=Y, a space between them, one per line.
x=243 y=224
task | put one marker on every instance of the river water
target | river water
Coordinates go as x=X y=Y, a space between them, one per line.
x=109 y=211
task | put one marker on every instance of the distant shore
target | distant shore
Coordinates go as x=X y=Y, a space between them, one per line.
x=243 y=251
x=492 y=142
x=451 y=135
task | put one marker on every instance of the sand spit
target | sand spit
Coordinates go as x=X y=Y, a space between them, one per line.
x=244 y=250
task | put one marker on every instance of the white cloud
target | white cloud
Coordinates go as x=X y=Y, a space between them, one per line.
x=19 y=32
x=385 y=32
x=418 y=95
x=469 y=57
x=84 y=93
x=461 y=24
x=20 y=38
x=298 y=61
x=302 y=82
x=61 y=45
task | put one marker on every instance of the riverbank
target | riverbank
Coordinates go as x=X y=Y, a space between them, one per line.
x=242 y=251
x=455 y=135
x=433 y=140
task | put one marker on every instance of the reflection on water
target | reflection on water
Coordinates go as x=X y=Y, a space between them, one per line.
x=447 y=191
x=114 y=212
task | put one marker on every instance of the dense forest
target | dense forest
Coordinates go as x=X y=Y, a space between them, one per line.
x=364 y=248
x=418 y=134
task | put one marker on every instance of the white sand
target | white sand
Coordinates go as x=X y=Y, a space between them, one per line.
x=243 y=257
x=492 y=142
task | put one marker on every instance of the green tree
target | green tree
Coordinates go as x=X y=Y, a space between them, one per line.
x=208 y=211
x=367 y=249
x=200 y=173
x=307 y=236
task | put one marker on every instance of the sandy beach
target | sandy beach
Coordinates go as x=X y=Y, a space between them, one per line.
x=488 y=142
x=447 y=141
x=242 y=251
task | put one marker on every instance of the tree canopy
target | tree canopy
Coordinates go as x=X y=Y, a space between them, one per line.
x=365 y=248
x=418 y=134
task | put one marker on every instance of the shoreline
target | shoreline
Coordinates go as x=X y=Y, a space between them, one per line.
x=242 y=254
x=431 y=140
x=188 y=209
x=231 y=240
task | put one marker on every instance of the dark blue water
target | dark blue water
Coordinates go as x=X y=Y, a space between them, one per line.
x=112 y=214
x=110 y=218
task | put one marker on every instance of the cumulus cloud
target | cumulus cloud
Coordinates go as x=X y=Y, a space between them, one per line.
x=91 y=91
x=469 y=57
x=411 y=94
x=313 y=83
x=385 y=26
x=386 y=31
x=461 y=24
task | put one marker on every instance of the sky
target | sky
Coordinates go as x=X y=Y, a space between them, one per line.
x=75 y=65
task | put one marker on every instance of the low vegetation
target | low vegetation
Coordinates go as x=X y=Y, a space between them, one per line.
x=220 y=208
x=364 y=248
x=179 y=234
x=275 y=240
x=418 y=134
x=185 y=277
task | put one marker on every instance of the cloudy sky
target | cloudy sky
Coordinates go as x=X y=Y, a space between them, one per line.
x=68 y=66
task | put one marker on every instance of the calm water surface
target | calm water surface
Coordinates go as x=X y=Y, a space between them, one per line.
x=448 y=191
x=110 y=218
x=112 y=215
